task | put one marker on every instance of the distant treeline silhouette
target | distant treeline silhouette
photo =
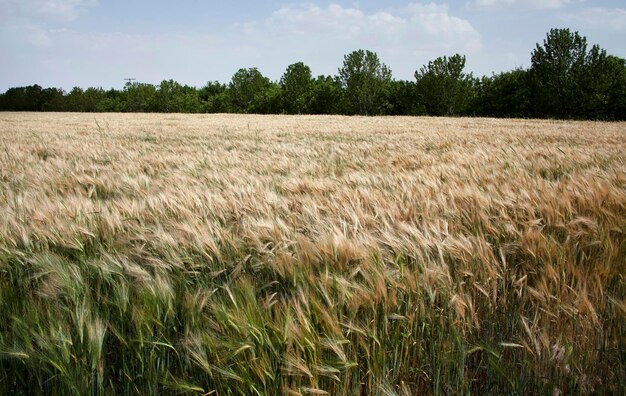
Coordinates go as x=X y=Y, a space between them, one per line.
x=566 y=80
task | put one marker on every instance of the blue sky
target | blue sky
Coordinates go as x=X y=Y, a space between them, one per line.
x=66 y=43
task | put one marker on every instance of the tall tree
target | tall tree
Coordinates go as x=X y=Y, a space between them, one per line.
x=444 y=88
x=164 y=96
x=215 y=98
x=112 y=102
x=365 y=81
x=505 y=95
x=557 y=67
x=87 y=101
x=138 y=98
x=326 y=96
x=403 y=99
x=268 y=101
x=247 y=89
x=172 y=97
x=23 y=98
x=603 y=86
x=53 y=100
x=614 y=103
x=295 y=86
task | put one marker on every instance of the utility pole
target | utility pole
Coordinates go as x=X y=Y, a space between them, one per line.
x=129 y=80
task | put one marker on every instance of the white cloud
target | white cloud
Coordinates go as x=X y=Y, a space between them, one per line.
x=405 y=38
x=66 y=57
x=416 y=26
x=599 y=18
x=45 y=10
x=537 y=4
x=492 y=3
x=311 y=19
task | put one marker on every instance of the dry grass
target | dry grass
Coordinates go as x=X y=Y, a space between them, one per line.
x=311 y=255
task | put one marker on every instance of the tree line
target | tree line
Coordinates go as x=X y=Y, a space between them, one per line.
x=566 y=80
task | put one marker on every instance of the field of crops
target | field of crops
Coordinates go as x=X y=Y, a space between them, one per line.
x=306 y=255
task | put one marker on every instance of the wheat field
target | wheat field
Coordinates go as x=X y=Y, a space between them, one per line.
x=310 y=255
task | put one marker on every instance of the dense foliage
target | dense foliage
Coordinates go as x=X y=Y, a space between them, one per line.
x=566 y=80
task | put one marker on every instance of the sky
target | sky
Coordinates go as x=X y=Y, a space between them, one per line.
x=67 y=43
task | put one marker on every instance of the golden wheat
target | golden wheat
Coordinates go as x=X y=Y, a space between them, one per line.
x=312 y=255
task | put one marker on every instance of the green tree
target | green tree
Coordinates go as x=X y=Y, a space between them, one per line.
x=603 y=86
x=247 y=89
x=570 y=81
x=326 y=96
x=443 y=87
x=187 y=101
x=557 y=68
x=53 y=100
x=91 y=98
x=403 y=99
x=172 y=97
x=138 y=97
x=615 y=101
x=295 y=86
x=23 y=98
x=506 y=94
x=74 y=99
x=165 y=95
x=112 y=102
x=215 y=98
x=269 y=101
x=365 y=81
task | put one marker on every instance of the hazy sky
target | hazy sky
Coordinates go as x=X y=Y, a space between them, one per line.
x=66 y=43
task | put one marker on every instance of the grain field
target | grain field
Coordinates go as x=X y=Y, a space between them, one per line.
x=309 y=255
